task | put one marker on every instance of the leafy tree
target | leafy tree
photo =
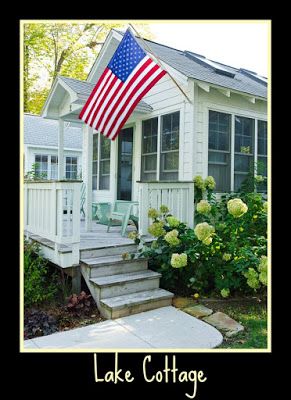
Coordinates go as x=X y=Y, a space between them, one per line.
x=68 y=49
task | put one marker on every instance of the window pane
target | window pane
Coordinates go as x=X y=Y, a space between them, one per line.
x=95 y=146
x=244 y=134
x=262 y=166
x=54 y=171
x=262 y=137
x=218 y=158
x=238 y=180
x=219 y=149
x=170 y=161
x=74 y=160
x=221 y=174
x=150 y=163
x=149 y=135
x=94 y=170
x=242 y=163
x=169 y=166
x=170 y=131
x=219 y=131
x=105 y=144
x=105 y=167
x=104 y=182
x=262 y=169
x=149 y=146
x=170 y=146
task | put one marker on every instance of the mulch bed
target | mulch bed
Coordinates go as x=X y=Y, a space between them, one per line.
x=51 y=318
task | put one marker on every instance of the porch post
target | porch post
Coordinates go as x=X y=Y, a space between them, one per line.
x=61 y=150
x=88 y=178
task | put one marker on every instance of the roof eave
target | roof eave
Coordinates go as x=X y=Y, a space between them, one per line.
x=215 y=86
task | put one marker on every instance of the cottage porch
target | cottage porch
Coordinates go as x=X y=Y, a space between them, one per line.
x=52 y=217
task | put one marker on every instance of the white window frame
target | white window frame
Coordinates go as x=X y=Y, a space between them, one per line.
x=98 y=163
x=65 y=165
x=48 y=177
x=170 y=110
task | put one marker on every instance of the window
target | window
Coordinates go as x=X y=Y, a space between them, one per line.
x=71 y=167
x=243 y=149
x=170 y=147
x=95 y=162
x=167 y=140
x=222 y=164
x=219 y=149
x=149 y=150
x=262 y=153
x=104 y=179
x=101 y=162
x=41 y=167
x=54 y=167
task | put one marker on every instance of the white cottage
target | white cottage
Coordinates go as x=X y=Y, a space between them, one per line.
x=41 y=147
x=164 y=144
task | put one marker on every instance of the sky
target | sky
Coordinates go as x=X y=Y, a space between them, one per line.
x=236 y=43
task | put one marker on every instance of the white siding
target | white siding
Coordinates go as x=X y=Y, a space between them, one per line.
x=166 y=98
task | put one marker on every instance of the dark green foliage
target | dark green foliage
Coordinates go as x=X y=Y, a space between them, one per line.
x=39 y=284
x=39 y=323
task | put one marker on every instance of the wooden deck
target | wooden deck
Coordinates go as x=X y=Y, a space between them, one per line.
x=99 y=238
x=96 y=239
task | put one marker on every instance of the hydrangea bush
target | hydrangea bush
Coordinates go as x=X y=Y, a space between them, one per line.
x=226 y=252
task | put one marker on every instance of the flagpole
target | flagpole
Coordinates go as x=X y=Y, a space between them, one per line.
x=159 y=63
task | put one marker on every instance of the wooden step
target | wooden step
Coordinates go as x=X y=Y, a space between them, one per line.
x=127 y=304
x=117 y=285
x=108 y=251
x=112 y=265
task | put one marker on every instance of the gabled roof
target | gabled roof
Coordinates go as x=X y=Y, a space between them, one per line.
x=44 y=132
x=200 y=68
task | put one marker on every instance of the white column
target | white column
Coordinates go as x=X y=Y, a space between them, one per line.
x=232 y=148
x=136 y=157
x=61 y=150
x=88 y=178
x=255 y=150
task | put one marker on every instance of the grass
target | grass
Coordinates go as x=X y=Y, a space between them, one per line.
x=254 y=320
x=251 y=313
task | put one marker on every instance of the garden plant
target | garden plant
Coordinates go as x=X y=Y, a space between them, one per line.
x=225 y=253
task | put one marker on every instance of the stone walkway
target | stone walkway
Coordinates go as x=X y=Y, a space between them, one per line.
x=218 y=319
x=163 y=328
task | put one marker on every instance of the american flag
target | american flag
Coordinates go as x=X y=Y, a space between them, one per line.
x=130 y=74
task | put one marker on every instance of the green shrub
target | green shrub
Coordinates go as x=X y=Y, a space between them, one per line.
x=225 y=252
x=38 y=284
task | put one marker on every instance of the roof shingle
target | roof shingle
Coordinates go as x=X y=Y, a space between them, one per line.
x=44 y=132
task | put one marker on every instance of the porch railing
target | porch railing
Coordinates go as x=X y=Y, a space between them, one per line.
x=52 y=211
x=178 y=196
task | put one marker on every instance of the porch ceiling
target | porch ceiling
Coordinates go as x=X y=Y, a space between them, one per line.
x=68 y=96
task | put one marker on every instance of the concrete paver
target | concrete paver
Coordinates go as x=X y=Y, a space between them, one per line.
x=162 y=328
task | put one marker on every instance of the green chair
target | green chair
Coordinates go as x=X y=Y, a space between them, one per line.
x=101 y=212
x=122 y=211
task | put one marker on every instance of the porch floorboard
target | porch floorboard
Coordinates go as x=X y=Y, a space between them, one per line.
x=97 y=238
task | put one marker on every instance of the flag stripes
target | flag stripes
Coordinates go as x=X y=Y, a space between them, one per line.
x=120 y=88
